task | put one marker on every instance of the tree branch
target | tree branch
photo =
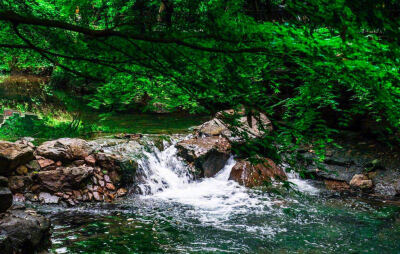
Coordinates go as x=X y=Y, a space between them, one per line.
x=18 y=19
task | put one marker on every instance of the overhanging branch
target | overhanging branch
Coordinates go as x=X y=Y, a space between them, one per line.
x=19 y=19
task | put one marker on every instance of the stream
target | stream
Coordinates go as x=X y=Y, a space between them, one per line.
x=177 y=214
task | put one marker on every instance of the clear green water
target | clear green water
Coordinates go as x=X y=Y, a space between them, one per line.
x=322 y=223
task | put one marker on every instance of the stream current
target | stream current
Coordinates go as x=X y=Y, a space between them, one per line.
x=215 y=215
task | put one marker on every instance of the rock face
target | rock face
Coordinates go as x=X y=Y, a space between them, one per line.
x=361 y=181
x=65 y=149
x=13 y=155
x=251 y=175
x=63 y=178
x=23 y=232
x=208 y=154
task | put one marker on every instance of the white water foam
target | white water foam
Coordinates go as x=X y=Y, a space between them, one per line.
x=213 y=199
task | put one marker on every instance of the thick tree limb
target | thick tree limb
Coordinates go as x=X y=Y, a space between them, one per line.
x=18 y=19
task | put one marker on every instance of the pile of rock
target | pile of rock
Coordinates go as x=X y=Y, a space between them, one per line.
x=209 y=149
x=63 y=170
x=21 y=231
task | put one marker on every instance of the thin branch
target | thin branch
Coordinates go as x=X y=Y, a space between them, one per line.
x=15 y=28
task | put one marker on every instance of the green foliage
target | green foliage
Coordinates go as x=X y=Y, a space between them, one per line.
x=16 y=127
x=314 y=67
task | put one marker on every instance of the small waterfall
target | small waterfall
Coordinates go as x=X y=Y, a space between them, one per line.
x=162 y=170
x=301 y=184
x=166 y=178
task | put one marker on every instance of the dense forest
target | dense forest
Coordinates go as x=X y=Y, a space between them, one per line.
x=313 y=67
x=308 y=75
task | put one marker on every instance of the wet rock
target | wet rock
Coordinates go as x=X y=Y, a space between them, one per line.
x=214 y=127
x=336 y=185
x=386 y=190
x=361 y=181
x=116 y=178
x=110 y=186
x=107 y=179
x=20 y=184
x=97 y=196
x=122 y=192
x=90 y=160
x=6 y=199
x=33 y=165
x=71 y=202
x=67 y=178
x=77 y=194
x=19 y=197
x=65 y=149
x=251 y=175
x=22 y=170
x=209 y=154
x=107 y=161
x=124 y=173
x=26 y=141
x=59 y=194
x=47 y=198
x=102 y=183
x=13 y=155
x=78 y=162
x=24 y=232
x=98 y=189
x=35 y=188
x=44 y=163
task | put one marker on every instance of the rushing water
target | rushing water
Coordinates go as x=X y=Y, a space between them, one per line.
x=180 y=215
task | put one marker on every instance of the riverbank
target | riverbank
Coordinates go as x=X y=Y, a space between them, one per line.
x=158 y=193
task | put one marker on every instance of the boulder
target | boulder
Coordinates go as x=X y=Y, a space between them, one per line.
x=254 y=127
x=13 y=155
x=43 y=162
x=20 y=183
x=6 y=199
x=65 y=149
x=208 y=154
x=250 y=175
x=61 y=179
x=361 y=181
x=24 y=232
x=47 y=198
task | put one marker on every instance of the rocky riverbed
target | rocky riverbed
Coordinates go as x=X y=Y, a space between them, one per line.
x=71 y=172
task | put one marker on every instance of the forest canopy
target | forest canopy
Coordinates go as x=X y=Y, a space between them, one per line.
x=314 y=67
